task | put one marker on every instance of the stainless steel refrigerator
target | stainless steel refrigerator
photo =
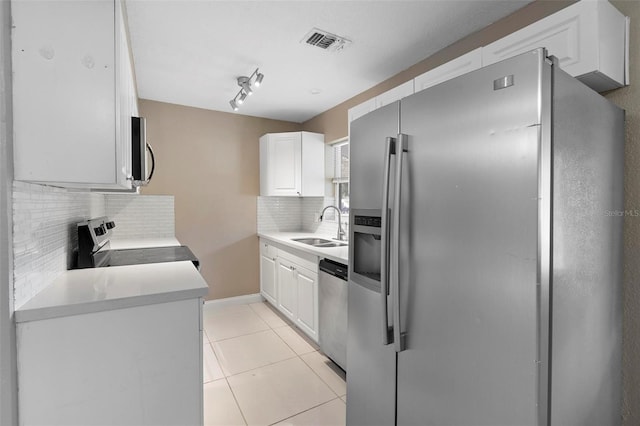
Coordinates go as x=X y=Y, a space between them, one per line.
x=485 y=264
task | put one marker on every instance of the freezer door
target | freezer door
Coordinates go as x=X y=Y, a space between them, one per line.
x=367 y=149
x=371 y=374
x=469 y=294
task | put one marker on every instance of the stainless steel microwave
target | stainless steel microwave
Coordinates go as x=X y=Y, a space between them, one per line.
x=140 y=173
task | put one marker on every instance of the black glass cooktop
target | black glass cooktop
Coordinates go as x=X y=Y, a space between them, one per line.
x=145 y=255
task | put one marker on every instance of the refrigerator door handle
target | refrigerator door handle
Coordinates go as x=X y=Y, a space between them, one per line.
x=387 y=332
x=398 y=336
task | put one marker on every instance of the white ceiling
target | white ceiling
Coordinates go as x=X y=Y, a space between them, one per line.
x=190 y=52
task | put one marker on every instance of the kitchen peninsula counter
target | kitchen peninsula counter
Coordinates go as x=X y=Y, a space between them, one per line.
x=108 y=343
x=83 y=291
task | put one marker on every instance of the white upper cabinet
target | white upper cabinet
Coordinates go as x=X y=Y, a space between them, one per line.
x=395 y=94
x=589 y=38
x=362 y=109
x=287 y=288
x=461 y=65
x=73 y=93
x=292 y=164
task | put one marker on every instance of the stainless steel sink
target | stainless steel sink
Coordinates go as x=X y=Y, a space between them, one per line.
x=331 y=244
x=312 y=241
x=319 y=242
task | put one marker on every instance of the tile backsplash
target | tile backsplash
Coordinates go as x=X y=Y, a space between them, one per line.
x=293 y=214
x=44 y=228
x=279 y=214
x=141 y=216
x=44 y=220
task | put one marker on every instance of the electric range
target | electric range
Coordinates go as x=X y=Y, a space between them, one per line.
x=94 y=251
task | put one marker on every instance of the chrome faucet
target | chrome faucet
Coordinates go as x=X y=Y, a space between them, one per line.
x=341 y=234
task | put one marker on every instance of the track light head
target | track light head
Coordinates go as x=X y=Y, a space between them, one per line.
x=259 y=78
x=233 y=104
x=242 y=97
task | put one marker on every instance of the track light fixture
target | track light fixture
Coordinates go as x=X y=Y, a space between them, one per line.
x=245 y=88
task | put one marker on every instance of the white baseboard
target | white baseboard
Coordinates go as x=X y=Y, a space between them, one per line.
x=237 y=300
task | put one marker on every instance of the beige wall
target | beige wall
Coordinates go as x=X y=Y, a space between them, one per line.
x=209 y=161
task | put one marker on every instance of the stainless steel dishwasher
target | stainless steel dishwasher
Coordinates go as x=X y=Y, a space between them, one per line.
x=333 y=311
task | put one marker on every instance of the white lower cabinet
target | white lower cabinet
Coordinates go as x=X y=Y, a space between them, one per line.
x=289 y=281
x=268 y=272
x=307 y=313
x=287 y=288
x=133 y=366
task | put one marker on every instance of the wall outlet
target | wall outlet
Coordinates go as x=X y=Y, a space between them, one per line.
x=316 y=217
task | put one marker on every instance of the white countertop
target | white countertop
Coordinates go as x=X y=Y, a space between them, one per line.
x=82 y=291
x=338 y=254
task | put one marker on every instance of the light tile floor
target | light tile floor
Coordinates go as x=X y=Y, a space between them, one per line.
x=261 y=370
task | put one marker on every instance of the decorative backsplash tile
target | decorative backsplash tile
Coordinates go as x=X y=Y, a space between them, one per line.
x=279 y=214
x=44 y=221
x=294 y=214
x=44 y=228
x=311 y=208
x=141 y=216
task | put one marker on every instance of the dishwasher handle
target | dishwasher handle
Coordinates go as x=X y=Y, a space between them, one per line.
x=334 y=268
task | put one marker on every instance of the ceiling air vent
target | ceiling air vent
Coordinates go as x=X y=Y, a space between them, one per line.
x=325 y=40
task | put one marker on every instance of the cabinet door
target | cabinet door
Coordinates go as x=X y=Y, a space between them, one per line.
x=126 y=92
x=128 y=366
x=287 y=289
x=313 y=166
x=362 y=109
x=63 y=91
x=268 y=278
x=461 y=65
x=285 y=164
x=395 y=94
x=588 y=38
x=307 y=314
